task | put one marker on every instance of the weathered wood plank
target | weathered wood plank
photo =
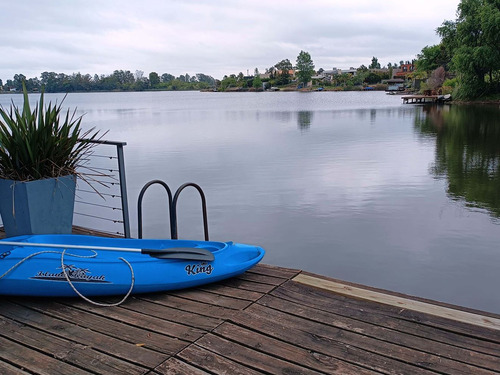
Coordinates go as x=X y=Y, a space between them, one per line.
x=202 y=314
x=8 y=369
x=404 y=303
x=208 y=298
x=71 y=331
x=450 y=355
x=239 y=283
x=214 y=363
x=251 y=358
x=174 y=366
x=261 y=278
x=140 y=318
x=67 y=351
x=174 y=309
x=388 y=316
x=485 y=335
x=232 y=292
x=275 y=271
x=288 y=352
x=109 y=327
x=34 y=361
x=330 y=342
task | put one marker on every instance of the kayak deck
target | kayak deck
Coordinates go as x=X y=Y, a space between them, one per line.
x=78 y=265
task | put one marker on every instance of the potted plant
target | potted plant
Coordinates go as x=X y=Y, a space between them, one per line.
x=39 y=156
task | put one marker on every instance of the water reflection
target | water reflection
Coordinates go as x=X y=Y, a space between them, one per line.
x=304 y=119
x=467 y=152
x=350 y=197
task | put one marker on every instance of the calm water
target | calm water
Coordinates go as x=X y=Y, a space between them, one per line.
x=354 y=186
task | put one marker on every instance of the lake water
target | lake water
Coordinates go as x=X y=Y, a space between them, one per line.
x=351 y=185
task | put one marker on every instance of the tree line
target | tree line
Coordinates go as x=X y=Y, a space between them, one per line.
x=280 y=75
x=119 y=80
x=466 y=62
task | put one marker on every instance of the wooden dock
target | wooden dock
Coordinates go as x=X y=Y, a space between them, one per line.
x=270 y=320
x=420 y=99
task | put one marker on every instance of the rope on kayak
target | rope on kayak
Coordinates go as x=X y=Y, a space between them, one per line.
x=40 y=253
x=132 y=282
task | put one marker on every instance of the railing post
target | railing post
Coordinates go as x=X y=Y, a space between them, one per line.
x=123 y=188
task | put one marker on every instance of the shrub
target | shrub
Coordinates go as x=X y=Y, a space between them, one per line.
x=37 y=144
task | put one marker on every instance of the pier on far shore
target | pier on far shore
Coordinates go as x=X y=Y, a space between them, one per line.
x=422 y=99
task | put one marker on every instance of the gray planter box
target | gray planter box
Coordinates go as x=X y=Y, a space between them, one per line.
x=38 y=207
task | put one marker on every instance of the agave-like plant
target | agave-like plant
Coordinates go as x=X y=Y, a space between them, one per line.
x=37 y=144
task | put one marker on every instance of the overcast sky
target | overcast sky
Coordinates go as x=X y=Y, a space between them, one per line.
x=212 y=37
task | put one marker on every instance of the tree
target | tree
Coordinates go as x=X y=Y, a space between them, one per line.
x=228 y=82
x=166 y=77
x=257 y=82
x=474 y=42
x=375 y=64
x=433 y=57
x=372 y=78
x=305 y=67
x=154 y=79
x=282 y=73
x=205 y=78
x=18 y=81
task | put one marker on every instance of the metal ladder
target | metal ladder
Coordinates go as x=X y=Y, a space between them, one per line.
x=172 y=207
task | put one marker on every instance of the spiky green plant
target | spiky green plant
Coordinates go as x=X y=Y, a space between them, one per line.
x=37 y=144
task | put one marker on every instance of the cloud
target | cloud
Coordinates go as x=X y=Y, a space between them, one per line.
x=214 y=38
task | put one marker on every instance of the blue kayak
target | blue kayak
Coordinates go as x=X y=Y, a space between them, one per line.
x=71 y=265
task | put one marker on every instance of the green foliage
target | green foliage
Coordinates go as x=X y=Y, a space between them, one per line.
x=375 y=64
x=120 y=80
x=372 y=78
x=432 y=57
x=257 y=83
x=450 y=82
x=282 y=72
x=474 y=42
x=154 y=79
x=166 y=77
x=228 y=82
x=305 y=67
x=37 y=144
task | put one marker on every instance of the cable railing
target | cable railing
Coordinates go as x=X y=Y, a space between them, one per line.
x=101 y=200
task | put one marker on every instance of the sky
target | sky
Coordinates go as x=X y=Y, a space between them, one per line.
x=215 y=37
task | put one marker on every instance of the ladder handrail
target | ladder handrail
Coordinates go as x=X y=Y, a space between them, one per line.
x=203 y=208
x=172 y=206
x=139 y=206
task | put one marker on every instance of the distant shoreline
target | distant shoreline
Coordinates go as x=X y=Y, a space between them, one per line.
x=494 y=101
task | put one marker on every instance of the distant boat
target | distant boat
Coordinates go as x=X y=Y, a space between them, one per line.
x=444 y=98
x=71 y=265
